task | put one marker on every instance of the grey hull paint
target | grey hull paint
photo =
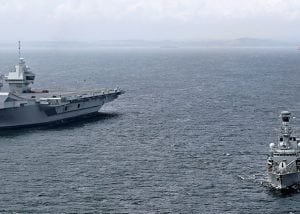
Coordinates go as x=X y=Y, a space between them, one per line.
x=32 y=115
x=284 y=181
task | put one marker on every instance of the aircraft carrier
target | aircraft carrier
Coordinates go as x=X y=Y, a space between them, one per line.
x=21 y=106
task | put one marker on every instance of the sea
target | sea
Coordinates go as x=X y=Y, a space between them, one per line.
x=190 y=135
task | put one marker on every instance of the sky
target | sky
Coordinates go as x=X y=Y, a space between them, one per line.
x=96 y=20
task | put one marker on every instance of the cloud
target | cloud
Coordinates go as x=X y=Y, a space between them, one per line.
x=148 y=18
x=184 y=10
x=151 y=9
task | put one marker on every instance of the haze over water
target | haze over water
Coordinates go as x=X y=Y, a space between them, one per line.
x=190 y=135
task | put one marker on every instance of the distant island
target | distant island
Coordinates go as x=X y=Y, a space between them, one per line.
x=240 y=42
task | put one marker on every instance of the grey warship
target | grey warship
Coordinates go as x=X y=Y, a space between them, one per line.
x=21 y=106
x=284 y=160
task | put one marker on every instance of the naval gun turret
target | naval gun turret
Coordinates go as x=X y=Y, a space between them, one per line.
x=21 y=77
x=284 y=159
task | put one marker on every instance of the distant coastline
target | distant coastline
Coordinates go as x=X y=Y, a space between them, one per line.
x=169 y=44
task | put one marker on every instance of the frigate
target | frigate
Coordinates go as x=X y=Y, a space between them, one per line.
x=21 y=106
x=284 y=159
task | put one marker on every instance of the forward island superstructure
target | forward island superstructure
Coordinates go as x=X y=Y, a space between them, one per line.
x=22 y=106
x=284 y=159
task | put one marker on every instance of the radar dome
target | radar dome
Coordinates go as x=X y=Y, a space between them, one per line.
x=272 y=145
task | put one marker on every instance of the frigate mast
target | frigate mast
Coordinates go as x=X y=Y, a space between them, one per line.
x=285 y=131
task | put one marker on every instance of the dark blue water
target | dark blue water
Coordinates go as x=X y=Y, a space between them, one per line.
x=191 y=134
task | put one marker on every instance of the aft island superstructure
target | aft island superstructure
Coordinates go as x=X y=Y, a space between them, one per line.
x=22 y=106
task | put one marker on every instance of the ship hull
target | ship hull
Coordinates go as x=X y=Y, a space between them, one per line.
x=284 y=181
x=32 y=116
x=35 y=114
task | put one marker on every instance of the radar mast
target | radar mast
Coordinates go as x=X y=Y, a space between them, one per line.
x=19 y=50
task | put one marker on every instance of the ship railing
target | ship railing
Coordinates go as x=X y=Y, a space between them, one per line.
x=291 y=167
x=106 y=91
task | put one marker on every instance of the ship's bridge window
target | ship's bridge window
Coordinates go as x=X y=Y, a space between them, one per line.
x=285 y=119
x=29 y=77
x=294 y=138
x=291 y=154
x=78 y=106
x=281 y=139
